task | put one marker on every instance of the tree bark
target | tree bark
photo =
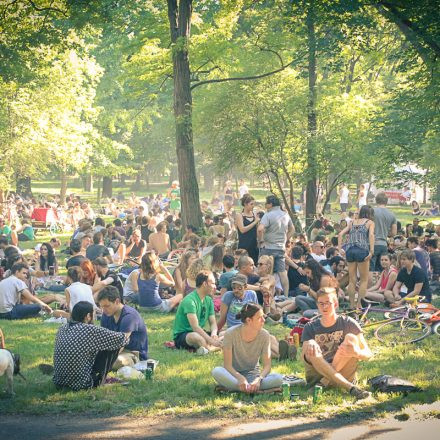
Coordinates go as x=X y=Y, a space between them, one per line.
x=63 y=189
x=88 y=182
x=311 y=194
x=107 y=186
x=23 y=186
x=179 y=15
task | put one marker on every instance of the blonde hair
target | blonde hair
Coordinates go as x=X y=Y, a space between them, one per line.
x=195 y=267
x=269 y=260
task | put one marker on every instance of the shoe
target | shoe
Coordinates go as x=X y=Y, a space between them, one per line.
x=275 y=316
x=359 y=394
x=202 y=351
x=294 y=380
x=46 y=369
x=271 y=321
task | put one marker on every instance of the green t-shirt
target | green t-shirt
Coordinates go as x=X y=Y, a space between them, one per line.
x=192 y=304
x=6 y=230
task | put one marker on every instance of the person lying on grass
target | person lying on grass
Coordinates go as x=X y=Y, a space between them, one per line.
x=192 y=314
x=243 y=347
x=332 y=347
x=84 y=353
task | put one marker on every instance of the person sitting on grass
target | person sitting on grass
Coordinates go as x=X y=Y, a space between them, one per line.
x=152 y=275
x=76 y=254
x=16 y=299
x=107 y=278
x=412 y=277
x=243 y=347
x=386 y=280
x=75 y=292
x=84 y=353
x=229 y=273
x=195 y=310
x=332 y=347
x=122 y=318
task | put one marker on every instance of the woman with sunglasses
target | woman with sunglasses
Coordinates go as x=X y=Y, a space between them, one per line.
x=243 y=347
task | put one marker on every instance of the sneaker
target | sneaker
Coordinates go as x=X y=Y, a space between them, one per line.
x=271 y=321
x=359 y=394
x=202 y=351
x=294 y=380
x=275 y=316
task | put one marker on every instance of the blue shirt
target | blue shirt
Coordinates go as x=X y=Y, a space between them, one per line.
x=236 y=304
x=225 y=279
x=130 y=321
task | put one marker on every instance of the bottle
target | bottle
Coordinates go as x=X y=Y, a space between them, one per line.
x=296 y=340
x=317 y=391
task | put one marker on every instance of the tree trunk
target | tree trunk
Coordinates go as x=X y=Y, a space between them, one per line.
x=63 y=189
x=98 y=193
x=88 y=183
x=107 y=186
x=23 y=186
x=147 y=180
x=179 y=16
x=311 y=195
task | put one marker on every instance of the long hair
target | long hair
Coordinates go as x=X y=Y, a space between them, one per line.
x=149 y=265
x=45 y=263
x=317 y=273
x=366 y=212
x=217 y=253
x=184 y=262
x=196 y=266
x=88 y=272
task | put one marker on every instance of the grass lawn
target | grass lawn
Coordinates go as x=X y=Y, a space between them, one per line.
x=182 y=384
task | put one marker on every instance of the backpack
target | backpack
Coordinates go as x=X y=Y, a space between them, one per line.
x=391 y=384
x=299 y=326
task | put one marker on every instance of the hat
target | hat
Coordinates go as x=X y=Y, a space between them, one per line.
x=239 y=279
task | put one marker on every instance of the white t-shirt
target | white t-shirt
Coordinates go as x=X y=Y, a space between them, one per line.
x=343 y=197
x=10 y=289
x=80 y=292
x=363 y=198
x=128 y=285
x=243 y=189
x=317 y=258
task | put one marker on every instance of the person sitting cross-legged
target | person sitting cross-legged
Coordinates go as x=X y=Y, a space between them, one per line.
x=332 y=347
x=243 y=347
x=192 y=314
x=84 y=353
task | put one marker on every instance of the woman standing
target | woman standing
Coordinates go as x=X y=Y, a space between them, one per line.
x=243 y=347
x=247 y=223
x=358 y=251
x=362 y=198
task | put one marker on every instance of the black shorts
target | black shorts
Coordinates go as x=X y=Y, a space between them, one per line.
x=180 y=341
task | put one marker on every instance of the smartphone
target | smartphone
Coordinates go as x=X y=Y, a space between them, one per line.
x=51 y=271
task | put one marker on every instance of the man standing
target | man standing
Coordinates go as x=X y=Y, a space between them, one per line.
x=122 y=318
x=332 y=347
x=344 y=194
x=274 y=230
x=385 y=224
x=194 y=311
x=15 y=297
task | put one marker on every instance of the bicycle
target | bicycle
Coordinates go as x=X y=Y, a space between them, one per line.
x=402 y=326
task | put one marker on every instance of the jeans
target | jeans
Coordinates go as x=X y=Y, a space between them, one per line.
x=279 y=259
x=103 y=364
x=225 y=379
x=305 y=303
x=22 y=311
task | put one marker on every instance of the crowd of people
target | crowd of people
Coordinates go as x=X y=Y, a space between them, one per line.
x=247 y=269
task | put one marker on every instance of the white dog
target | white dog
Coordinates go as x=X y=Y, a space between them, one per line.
x=7 y=367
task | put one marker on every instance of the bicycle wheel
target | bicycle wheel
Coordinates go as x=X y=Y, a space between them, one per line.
x=402 y=331
x=436 y=328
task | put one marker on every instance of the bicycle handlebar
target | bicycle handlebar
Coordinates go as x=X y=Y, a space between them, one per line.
x=414 y=299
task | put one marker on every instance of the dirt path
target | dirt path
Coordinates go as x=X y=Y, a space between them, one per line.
x=422 y=423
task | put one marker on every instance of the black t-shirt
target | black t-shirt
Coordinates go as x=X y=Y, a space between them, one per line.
x=434 y=258
x=116 y=282
x=96 y=250
x=295 y=278
x=75 y=261
x=417 y=230
x=411 y=279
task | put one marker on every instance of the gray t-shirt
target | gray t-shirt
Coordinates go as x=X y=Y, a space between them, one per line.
x=10 y=289
x=277 y=223
x=383 y=220
x=330 y=338
x=246 y=355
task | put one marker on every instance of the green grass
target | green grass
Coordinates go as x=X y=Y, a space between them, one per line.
x=182 y=384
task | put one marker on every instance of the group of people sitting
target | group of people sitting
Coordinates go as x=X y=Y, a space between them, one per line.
x=251 y=268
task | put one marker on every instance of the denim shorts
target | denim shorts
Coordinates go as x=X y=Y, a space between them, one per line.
x=279 y=259
x=356 y=254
